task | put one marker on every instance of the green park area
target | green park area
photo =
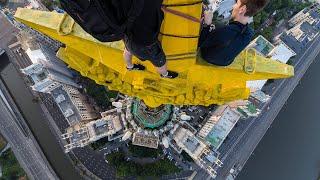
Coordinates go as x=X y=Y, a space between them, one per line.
x=50 y=4
x=129 y=168
x=10 y=167
x=284 y=9
x=186 y=156
x=142 y=152
x=99 y=93
x=99 y=144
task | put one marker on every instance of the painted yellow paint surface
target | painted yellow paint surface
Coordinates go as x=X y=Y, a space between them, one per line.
x=198 y=83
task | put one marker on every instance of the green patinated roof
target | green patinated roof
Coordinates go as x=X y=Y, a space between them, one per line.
x=252 y=108
x=147 y=120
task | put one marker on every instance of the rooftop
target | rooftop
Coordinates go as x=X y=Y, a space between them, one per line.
x=261 y=45
x=191 y=144
x=261 y=96
x=220 y=126
x=79 y=136
x=100 y=127
x=144 y=140
x=187 y=141
x=282 y=53
x=65 y=104
x=197 y=149
x=299 y=36
x=150 y=119
x=35 y=55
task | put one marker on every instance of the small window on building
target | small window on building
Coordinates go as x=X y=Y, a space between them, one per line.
x=42 y=76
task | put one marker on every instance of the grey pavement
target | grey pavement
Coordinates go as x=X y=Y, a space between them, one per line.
x=5 y=149
x=22 y=146
x=6 y=32
x=95 y=163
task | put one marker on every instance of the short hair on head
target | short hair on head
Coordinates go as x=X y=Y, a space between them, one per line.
x=254 y=6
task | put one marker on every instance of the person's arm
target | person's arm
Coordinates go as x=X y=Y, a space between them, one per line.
x=211 y=38
x=206 y=28
x=207 y=17
x=219 y=37
x=204 y=36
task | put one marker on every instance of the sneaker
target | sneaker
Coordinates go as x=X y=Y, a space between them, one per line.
x=170 y=75
x=137 y=67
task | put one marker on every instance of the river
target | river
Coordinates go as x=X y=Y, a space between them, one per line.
x=290 y=150
x=37 y=122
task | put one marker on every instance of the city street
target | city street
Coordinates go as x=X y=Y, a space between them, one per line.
x=235 y=151
x=95 y=163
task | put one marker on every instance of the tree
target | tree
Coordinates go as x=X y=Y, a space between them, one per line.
x=10 y=166
x=47 y=3
x=267 y=33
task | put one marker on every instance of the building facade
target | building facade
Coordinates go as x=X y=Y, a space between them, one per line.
x=219 y=125
x=82 y=134
x=310 y=15
x=199 y=151
x=46 y=79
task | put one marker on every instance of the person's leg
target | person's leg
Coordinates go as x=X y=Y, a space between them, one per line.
x=159 y=61
x=127 y=56
x=163 y=70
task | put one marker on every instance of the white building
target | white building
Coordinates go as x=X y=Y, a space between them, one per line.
x=261 y=96
x=282 y=53
x=81 y=134
x=263 y=47
x=46 y=79
x=46 y=71
x=51 y=75
x=225 y=8
x=309 y=14
x=201 y=153
x=219 y=125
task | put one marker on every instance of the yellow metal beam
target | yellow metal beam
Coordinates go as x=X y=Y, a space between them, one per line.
x=199 y=83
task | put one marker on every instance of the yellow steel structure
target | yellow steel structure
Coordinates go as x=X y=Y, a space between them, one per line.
x=198 y=83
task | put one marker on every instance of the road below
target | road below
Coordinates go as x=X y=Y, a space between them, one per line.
x=239 y=153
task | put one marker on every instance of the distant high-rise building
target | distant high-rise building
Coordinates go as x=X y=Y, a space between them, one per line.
x=47 y=41
x=51 y=75
x=310 y=14
x=298 y=37
x=73 y=104
x=46 y=79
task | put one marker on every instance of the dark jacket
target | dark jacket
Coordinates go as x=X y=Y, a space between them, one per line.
x=107 y=20
x=147 y=26
x=222 y=45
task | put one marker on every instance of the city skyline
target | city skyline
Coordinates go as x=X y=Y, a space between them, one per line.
x=193 y=140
